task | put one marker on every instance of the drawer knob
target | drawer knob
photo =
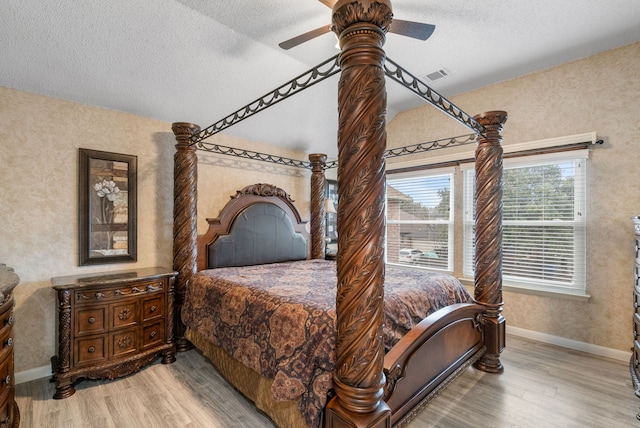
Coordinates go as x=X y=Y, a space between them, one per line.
x=92 y=320
x=99 y=295
x=91 y=349
x=9 y=321
x=153 y=334
x=9 y=341
x=124 y=342
x=7 y=380
x=153 y=308
x=124 y=314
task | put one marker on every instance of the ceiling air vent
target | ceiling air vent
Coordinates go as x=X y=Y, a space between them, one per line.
x=436 y=75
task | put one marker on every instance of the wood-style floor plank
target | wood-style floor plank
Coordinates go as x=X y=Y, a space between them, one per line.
x=542 y=386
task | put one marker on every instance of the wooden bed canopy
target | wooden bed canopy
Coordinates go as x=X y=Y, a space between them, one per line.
x=359 y=378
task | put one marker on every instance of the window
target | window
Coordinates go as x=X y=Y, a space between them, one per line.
x=420 y=219
x=543 y=222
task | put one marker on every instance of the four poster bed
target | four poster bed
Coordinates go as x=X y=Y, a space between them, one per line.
x=252 y=292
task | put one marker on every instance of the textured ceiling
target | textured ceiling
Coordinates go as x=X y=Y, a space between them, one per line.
x=199 y=60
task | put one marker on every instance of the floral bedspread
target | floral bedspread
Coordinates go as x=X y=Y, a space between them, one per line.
x=281 y=321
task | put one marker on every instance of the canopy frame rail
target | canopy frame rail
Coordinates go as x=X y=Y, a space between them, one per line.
x=418 y=87
x=248 y=154
x=305 y=80
x=412 y=149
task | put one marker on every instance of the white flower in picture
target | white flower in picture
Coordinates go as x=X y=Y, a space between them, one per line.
x=107 y=188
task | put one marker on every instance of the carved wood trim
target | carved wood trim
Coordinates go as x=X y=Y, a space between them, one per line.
x=359 y=378
x=170 y=355
x=185 y=214
x=263 y=189
x=64 y=331
x=488 y=261
x=318 y=195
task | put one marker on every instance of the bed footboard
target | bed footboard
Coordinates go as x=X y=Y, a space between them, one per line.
x=431 y=355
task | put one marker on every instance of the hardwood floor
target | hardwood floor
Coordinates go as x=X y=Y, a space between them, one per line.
x=542 y=386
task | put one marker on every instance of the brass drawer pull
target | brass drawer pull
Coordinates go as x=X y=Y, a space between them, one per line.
x=92 y=320
x=9 y=321
x=152 y=288
x=9 y=342
x=152 y=308
x=91 y=349
x=153 y=334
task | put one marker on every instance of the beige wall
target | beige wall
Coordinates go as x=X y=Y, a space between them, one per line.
x=40 y=137
x=598 y=93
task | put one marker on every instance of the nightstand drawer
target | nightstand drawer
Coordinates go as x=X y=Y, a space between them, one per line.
x=6 y=345
x=152 y=334
x=153 y=308
x=6 y=378
x=90 y=321
x=124 y=314
x=90 y=350
x=6 y=321
x=124 y=342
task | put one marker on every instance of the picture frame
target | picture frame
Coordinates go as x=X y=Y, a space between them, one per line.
x=107 y=207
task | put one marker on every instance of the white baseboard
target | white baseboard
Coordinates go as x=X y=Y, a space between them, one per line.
x=569 y=343
x=33 y=374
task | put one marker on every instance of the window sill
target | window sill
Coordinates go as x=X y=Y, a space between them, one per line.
x=578 y=297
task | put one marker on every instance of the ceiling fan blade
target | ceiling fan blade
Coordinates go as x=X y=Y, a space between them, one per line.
x=328 y=3
x=416 y=30
x=288 y=44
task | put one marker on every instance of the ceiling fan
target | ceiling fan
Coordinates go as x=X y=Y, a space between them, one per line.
x=416 y=30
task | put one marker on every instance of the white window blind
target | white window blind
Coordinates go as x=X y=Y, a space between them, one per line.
x=420 y=219
x=543 y=222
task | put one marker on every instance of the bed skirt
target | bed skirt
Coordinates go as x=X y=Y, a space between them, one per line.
x=255 y=387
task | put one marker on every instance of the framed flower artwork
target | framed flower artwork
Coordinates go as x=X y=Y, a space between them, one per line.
x=107 y=207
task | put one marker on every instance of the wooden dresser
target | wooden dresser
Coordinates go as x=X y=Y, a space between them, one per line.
x=112 y=324
x=635 y=351
x=9 y=414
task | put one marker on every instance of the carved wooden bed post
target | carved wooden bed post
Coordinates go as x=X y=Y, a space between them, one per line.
x=488 y=262
x=318 y=185
x=185 y=213
x=358 y=378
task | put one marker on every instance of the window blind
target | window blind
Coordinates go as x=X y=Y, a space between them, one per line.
x=420 y=219
x=543 y=221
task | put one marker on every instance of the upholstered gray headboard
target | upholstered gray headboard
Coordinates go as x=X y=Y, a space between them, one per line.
x=262 y=233
x=259 y=225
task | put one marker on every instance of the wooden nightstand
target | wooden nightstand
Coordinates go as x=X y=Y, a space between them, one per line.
x=9 y=413
x=112 y=324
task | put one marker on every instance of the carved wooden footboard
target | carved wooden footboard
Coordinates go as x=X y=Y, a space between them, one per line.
x=430 y=356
